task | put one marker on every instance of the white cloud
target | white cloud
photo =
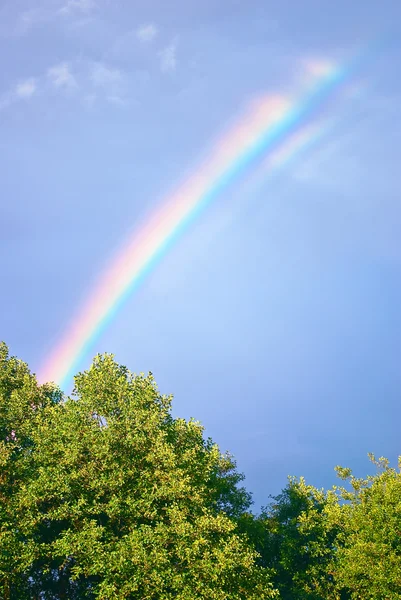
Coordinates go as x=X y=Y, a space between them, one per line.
x=22 y=91
x=83 y=6
x=116 y=100
x=26 y=88
x=168 y=58
x=311 y=69
x=318 y=67
x=104 y=76
x=30 y=18
x=147 y=32
x=97 y=82
x=109 y=83
x=47 y=13
x=61 y=76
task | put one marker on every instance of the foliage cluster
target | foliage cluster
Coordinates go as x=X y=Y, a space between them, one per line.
x=104 y=495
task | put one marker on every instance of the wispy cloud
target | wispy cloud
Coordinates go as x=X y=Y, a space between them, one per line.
x=110 y=81
x=147 y=32
x=39 y=15
x=311 y=69
x=97 y=81
x=26 y=89
x=82 y=6
x=61 y=76
x=116 y=100
x=22 y=91
x=30 y=18
x=104 y=76
x=168 y=58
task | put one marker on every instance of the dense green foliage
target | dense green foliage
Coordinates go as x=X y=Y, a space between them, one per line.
x=105 y=495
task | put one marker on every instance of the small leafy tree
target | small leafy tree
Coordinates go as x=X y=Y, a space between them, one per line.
x=338 y=544
x=368 y=557
x=293 y=539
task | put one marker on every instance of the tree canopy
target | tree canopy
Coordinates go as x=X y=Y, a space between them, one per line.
x=104 y=495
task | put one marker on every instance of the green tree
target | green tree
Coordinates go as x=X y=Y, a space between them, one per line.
x=337 y=544
x=368 y=556
x=116 y=498
x=294 y=539
x=106 y=495
x=21 y=401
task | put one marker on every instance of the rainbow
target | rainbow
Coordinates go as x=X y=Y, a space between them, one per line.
x=272 y=130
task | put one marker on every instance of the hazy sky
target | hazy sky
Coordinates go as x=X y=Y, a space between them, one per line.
x=275 y=318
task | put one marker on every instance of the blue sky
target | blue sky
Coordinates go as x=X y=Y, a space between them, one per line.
x=275 y=317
